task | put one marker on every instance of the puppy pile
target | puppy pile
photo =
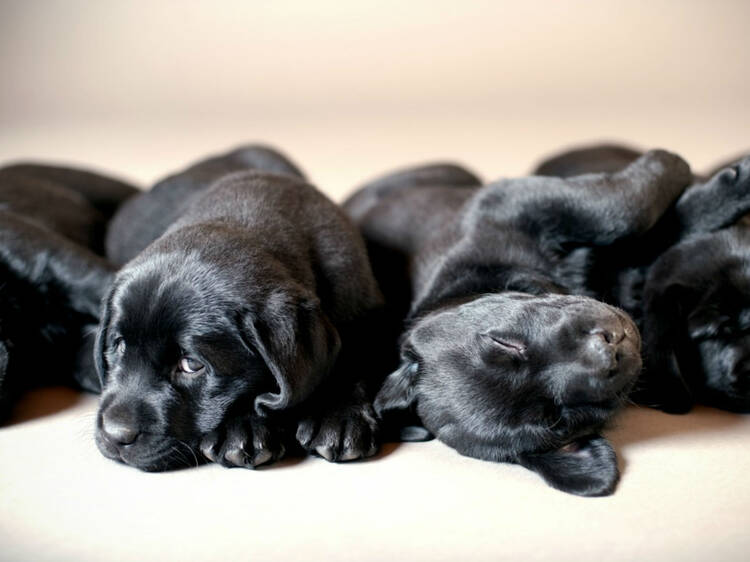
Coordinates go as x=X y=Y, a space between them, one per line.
x=233 y=314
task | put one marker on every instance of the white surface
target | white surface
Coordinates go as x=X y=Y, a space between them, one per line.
x=684 y=495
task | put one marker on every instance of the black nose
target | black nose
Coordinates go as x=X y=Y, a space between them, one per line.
x=119 y=425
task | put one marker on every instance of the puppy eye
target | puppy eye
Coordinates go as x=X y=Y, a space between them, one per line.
x=508 y=346
x=190 y=366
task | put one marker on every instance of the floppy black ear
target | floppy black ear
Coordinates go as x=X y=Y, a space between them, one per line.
x=585 y=467
x=100 y=343
x=396 y=401
x=298 y=344
x=398 y=390
x=86 y=373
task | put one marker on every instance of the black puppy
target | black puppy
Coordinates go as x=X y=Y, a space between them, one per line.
x=499 y=361
x=244 y=316
x=685 y=282
x=52 y=222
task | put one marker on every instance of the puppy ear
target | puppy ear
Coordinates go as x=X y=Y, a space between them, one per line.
x=585 y=467
x=398 y=390
x=298 y=344
x=395 y=404
x=86 y=373
x=100 y=343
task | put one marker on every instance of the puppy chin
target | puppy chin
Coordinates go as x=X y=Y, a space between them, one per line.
x=152 y=454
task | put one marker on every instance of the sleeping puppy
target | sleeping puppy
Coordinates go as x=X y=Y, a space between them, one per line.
x=503 y=356
x=243 y=321
x=686 y=283
x=52 y=222
x=697 y=322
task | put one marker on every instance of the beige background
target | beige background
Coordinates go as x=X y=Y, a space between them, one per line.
x=350 y=90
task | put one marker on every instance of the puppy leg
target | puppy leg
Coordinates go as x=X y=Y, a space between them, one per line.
x=245 y=441
x=339 y=422
x=52 y=289
x=592 y=209
x=341 y=428
x=718 y=203
x=45 y=259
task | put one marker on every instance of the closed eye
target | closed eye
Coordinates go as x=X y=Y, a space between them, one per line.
x=512 y=347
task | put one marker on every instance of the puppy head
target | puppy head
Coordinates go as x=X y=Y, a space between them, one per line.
x=521 y=378
x=184 y=344
x=697 y=296
x=718 y=330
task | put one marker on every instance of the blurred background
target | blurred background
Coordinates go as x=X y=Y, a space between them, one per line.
x=353 y=89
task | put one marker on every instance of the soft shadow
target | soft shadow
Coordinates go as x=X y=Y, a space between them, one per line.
x=288 y=461
x=385 y=450
x=297 y=457
x=43 y=402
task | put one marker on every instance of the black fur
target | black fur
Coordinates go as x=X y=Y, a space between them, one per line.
x=687 y=284
x=52 y=222
x=503 y=356
x=260 y=279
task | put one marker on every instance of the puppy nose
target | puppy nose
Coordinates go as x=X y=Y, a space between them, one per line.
x=118 y=424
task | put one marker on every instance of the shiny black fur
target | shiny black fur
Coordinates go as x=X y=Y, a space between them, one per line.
x=687 y=284
x=504 y=356
x=52 y=279
x=259 y=278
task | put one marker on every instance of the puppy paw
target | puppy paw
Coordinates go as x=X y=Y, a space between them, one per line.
x=246 y=441
x=340 y=434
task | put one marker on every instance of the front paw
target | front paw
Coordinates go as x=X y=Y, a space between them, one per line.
x=245 y=441
x=342 y=433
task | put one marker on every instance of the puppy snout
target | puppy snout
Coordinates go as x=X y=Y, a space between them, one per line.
x=602 y=349
x=119 y=425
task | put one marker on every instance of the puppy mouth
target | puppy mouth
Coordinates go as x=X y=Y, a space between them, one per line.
x=107 y=448
x=151 y=454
